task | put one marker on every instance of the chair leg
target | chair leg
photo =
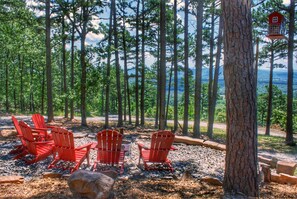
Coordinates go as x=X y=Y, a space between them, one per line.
x=21 y=155
x=52 y=164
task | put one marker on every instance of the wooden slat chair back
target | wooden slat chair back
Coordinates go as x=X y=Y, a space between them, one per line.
x=28 y=137
x=38 y=121
x=40 y=150
x=155 y=156
x=161 y=143
x=18 y=129
x=109 y=149
x=64 y=150
x=64 y=144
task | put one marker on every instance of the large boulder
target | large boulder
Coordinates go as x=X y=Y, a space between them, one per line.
x=92 y=185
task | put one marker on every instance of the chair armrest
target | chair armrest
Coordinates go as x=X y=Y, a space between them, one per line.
x=88 y=146
x=45 y=142
x=39 y=129
x=141 y=146
x=173 y=148
x=50 y=127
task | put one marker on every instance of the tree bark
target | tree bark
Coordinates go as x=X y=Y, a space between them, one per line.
x=107 y=100
x=175 y=68
x=50 y=112
x=64 y=37
x=118 y=76
x=137 y=67
x=142 y=68
x=289 y=123
x=72 y=68
x=162 y=65
x=186 y=72
x=199 y=19
x=215 y=82
x=126 y=77
x=211 y=61
x=270 y=91
x=241 y=175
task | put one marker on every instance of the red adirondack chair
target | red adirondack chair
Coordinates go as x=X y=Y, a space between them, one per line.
x=155 y=156
x=64 y=149
x=20 y=148
x=109 y=149
x=40 y=150
x=40 y=125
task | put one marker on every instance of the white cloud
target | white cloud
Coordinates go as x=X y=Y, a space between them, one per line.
x=92 y=37
x=286 y=2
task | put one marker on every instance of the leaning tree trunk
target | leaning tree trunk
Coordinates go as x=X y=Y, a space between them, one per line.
x=241 y=175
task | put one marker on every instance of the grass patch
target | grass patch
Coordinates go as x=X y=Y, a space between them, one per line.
x=274 y=143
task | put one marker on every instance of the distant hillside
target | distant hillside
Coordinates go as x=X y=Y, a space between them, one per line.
x=280 y=77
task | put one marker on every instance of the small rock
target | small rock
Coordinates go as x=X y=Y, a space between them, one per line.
x=92 y=185
x=8 y=133
x=91 y=136
x=11 y=179
x=212 y=181
x=51 y=175
x=80 y=135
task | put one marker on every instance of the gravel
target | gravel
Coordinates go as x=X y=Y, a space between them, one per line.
x=197 y=160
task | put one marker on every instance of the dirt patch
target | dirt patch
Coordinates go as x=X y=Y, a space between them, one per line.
x=138 y=188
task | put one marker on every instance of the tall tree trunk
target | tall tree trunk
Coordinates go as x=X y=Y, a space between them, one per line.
x=136 y=66
x=168 y=94
x=199 y=47
x=186 y=79
x=32 y=108
x=270 y=91
x=175 y=126
x=6 y=84
x=83 y=78
x=289 y=123
x=142 y=68
x=72 y=68
x=118 y=75
x=162 y=65
x=42 y=90
x=64 y=37
x=213 y=101
x=21 y=64
x=126 y=80
x=50 y=112
x=241 y=175
x=158 y=83
x=211 y=60
x=107 y=90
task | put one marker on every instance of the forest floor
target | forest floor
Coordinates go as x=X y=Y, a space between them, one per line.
x=145 y=185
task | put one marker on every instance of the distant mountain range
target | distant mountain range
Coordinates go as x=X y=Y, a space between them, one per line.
x=280 y=77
